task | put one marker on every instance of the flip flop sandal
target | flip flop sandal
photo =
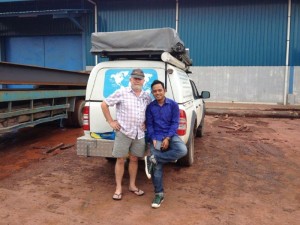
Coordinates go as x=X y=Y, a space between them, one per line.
x=117 y=196
x=137 y=192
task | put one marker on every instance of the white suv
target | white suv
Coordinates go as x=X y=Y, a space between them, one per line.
x=161 y=55
x=107 y=77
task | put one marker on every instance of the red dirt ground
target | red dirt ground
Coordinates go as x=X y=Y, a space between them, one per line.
x=246 y=171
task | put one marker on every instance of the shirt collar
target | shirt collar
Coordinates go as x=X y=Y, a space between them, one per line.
x=167 y=101
x=129 y=89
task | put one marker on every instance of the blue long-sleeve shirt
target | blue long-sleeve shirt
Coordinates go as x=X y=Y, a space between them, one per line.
x=162 y=121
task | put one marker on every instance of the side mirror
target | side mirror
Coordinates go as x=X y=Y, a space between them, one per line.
x=205 y=94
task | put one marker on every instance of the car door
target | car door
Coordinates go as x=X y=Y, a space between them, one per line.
x=198 y=103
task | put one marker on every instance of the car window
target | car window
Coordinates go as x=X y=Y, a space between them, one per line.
x=195 y=91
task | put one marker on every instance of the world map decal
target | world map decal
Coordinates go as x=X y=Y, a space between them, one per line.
x=119 y=78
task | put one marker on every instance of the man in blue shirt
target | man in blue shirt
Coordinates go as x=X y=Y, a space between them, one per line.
x=162 y=121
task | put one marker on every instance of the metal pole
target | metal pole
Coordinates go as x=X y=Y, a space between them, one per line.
x=287 y=54
x=96 y=24
x=177 y=15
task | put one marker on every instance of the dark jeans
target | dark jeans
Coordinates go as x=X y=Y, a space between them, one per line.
x=177 y=149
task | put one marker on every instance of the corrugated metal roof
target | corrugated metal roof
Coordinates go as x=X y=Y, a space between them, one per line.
x=44 y=12
x=42 y=25
x=1 y=1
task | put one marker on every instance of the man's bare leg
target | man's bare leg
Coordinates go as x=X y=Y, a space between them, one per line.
x=119 y=172
x=132 y=169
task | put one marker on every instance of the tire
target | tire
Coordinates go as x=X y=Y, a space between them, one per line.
x=77 y=115
x=188 y=160
x=200 y=129
x=69 y=121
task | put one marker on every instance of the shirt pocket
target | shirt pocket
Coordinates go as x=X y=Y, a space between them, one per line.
x=142 y=102
x=166 y=113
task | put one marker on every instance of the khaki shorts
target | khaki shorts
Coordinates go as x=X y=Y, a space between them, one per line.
x=123 y=146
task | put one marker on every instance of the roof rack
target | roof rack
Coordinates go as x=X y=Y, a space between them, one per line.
x=132 y=55
x=140 y=44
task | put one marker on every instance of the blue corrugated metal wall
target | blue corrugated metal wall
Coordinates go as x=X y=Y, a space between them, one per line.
x=218 y=32
x=295 y=34
x=14 y=25
x=135 y=14
x=88 y=24
x=46 y=51
x=234 y=33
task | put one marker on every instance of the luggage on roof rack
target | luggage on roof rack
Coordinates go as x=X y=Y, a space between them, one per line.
x=139 y=44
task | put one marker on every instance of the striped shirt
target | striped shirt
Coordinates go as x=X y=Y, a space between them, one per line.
x=130 y=111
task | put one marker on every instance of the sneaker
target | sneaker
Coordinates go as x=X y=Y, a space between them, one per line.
x=157 y=201
x=148 y=166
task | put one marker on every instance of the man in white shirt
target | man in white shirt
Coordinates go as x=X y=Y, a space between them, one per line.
x=131 y=103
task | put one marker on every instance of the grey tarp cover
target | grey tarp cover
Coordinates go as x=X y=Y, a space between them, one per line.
x=161 y=39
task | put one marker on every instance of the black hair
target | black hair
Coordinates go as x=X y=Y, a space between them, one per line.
x=157 y=82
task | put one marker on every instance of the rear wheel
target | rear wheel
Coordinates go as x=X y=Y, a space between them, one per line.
x=200 y=129
x=77 y=115
x=188 y=160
